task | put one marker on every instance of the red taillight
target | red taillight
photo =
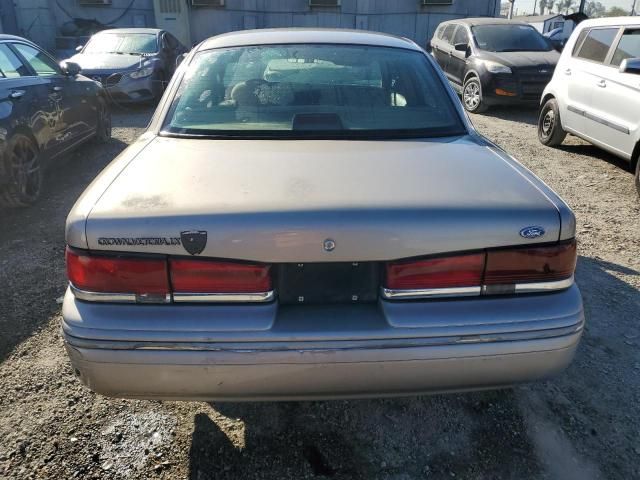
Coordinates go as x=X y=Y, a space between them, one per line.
x=204 y=276
x=444 y=272
x=153 y=279
x=533 y=264
x=141 y=277
x=493 y=271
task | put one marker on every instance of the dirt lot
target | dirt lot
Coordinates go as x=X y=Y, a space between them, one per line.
x=584 y=424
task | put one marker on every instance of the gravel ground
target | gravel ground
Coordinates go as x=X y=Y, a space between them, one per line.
x=584 y=424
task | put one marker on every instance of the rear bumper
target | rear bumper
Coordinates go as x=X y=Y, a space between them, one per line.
x=306 y=353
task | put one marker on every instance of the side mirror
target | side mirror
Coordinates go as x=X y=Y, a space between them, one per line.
x=79 y=48
x=180 y=58
x=461 y=47
x=70 y=69
x=630 y=65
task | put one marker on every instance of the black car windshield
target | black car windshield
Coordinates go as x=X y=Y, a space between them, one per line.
x=510 y=38
x=315 y=90
x=122 y=43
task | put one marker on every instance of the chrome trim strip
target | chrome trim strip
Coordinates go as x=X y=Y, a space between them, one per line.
x=323 y=346
x=537 y=287
x=224 y=297
x=598 y=119
x=115 y=297
x=430 y=293
x=545 y=286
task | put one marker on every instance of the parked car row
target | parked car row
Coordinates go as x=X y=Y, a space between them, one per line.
x=48 y=108
x=592 y=90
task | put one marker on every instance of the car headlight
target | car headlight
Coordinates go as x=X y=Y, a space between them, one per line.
x=495 y=67
x=143 y=72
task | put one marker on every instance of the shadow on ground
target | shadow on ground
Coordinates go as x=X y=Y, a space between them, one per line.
x=440 y=437
x=527 y=114
x=591 y=151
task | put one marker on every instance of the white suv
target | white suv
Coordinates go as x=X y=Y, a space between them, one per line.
x=595 y=91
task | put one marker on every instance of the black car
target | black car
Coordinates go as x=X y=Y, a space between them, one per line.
x=46 y=109
x=493 y=61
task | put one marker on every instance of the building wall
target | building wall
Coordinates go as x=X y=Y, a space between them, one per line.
x=41 y=20
x=401 y=17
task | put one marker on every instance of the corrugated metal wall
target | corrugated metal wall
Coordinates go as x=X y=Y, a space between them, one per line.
x=41 y=20
x=401 y=17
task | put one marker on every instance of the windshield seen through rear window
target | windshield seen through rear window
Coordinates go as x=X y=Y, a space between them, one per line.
x=312 y=90
x=510 y=38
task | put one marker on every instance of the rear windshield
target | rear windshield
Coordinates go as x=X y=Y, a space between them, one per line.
x=510 y=38
x=122 y=43
x=312 y=90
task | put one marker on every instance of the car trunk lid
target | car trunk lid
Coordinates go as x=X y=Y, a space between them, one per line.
x=309 y=201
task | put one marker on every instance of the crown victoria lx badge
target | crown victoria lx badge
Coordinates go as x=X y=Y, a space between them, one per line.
x=532 y=232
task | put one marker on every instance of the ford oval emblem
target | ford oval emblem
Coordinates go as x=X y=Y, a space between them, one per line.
x=329 y=245
x=532 y=232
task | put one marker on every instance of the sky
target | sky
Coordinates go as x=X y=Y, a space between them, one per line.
x=525 y=7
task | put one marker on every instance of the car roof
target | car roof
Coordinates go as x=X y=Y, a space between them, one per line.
x=131 y=30
x=615 y=21
x=472 y=22
x=276 y=36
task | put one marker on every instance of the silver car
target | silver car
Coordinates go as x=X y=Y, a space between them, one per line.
x=133 y=64
x=310 y=214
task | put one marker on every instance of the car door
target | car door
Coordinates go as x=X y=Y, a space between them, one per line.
x=76 y=118
x=615 y=107
x=458 y=59
x=442 y=46
x=582 y=77
x=24 y=100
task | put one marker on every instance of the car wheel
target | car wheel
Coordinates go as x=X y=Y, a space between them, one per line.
x=103 y=130
x=550 y=131
x=24 y=171
x=472 y=96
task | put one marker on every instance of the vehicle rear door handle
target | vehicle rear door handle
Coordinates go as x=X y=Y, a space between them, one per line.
x=57 y=88
x=602 y=84
x=567 y=71
x=15 y=94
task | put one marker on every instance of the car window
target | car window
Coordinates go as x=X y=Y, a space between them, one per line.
x=43 y=65
x=10 y=65
x=461 y=36
x=447 y=35
x=344 y=91
x=510 y=38
x=597 y=44
x=629 y=47
x=579 y=41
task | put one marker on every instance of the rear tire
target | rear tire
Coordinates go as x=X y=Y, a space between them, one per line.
x=550 y=131
x=24 y=169
x=472 y=96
